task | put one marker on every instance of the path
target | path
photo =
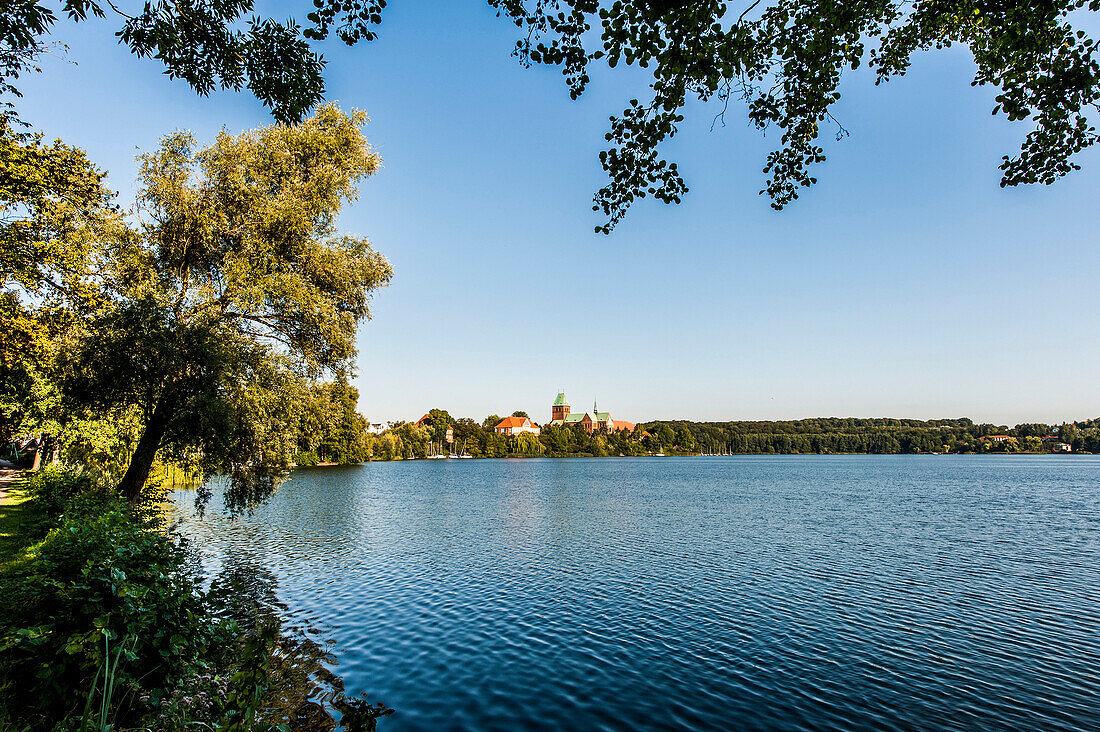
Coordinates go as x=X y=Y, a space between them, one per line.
x=7 y=477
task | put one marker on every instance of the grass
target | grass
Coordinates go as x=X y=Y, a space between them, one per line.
x=22 y=522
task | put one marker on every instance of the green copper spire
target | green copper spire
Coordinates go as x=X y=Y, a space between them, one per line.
x=560 y=401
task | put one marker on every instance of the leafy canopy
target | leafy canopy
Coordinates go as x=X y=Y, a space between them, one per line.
x=207 y=43
x=784 y=59
x=54 y=214
x=233 y=290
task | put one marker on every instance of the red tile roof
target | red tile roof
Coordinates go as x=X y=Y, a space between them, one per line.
x=511 y=422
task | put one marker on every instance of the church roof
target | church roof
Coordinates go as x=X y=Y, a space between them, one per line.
x=575 y=417
x=603 y=416
x=560 y=401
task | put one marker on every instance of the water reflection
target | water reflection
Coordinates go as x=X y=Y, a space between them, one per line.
x=302 y=692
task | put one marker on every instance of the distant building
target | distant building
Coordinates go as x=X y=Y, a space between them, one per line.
x=511 y=426
x=376 y=428
x=1063 y=447
x=594 y=421
x=999 y=438
x=426 y=421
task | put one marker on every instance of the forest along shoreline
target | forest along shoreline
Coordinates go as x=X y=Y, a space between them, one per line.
x=352 y=439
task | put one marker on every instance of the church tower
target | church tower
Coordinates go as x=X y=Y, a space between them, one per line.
x=560 y=408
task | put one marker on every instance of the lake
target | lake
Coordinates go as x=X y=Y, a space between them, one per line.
x=755 y=593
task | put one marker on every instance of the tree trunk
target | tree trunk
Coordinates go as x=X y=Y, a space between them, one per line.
x=142 y=460
x=38 y=454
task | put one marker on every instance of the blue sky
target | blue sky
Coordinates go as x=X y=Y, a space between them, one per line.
x=906 y=283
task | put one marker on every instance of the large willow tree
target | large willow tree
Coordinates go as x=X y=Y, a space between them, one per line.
x=233 y=288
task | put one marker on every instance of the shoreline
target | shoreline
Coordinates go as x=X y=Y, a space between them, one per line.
x=739 y=454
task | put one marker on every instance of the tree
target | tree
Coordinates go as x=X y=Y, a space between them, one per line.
x=329 y=424
x=54 y=212
x=233 y=290
x=528 y=444
x=207 y=43
x=54 y=209
x=521 y=413
x=783 y=58
x=491 y=421
x=685 y=440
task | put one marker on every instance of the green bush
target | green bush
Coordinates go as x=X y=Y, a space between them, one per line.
x=55 y=486
x=107 y=577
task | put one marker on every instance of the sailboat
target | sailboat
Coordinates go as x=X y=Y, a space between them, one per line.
x=433 y=455
x=465 y=455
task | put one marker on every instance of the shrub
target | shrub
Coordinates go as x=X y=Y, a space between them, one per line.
x=106 y=573
x=55 y=486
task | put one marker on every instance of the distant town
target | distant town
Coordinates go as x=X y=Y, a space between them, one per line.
x=594 y=433
x=331 y=431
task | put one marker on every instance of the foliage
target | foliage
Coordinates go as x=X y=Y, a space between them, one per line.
x=306 y=458
x=198 y=698
x=854 y=435
x=53 y=209
x=108 y=574
x=54 y=214
x=101 y=441
x=233 y=291
x=330 y=428
x=104 y=625
x=55 y=487
x=785 y=59
x=528 y=444
x=207 y=43
x=438 y=422
x=406 y=440
x=25 y=393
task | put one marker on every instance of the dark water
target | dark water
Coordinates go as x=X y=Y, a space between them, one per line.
x=780 y=593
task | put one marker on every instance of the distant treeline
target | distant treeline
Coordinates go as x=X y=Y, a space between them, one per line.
x=331 y=430
x=880 y=436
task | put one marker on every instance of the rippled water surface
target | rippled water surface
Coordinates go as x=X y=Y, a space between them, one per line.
x=779 y=593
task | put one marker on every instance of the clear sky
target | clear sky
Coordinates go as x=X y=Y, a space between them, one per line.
x=906 y=283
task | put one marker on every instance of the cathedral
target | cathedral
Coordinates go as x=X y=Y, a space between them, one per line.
x=594 y=421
